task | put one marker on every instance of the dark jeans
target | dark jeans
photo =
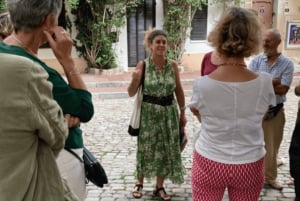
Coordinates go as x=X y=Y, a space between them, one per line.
x=294 y=153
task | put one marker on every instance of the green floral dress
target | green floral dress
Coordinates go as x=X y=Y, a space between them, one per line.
x=158 y=152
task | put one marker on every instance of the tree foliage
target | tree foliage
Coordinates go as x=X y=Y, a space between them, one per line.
x=178 y=16
x=98 y=24
x=2 y=6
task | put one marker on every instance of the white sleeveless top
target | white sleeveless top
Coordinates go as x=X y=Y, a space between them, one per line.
x=231 y=118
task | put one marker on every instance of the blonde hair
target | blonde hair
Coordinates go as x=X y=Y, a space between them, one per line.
x=237 y=34
x=6 y=27
x=150 y=34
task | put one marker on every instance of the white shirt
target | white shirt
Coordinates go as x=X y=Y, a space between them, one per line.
x=231 y=118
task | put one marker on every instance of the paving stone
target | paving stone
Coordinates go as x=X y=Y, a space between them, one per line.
x=106 y=136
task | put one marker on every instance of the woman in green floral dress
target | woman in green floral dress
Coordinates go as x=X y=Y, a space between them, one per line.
x=158 y=149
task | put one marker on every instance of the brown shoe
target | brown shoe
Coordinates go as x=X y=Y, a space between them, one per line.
x=275 y=184
x=137 y=191
x=161 y=193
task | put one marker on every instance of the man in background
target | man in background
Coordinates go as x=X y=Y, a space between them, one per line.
x=281 y=70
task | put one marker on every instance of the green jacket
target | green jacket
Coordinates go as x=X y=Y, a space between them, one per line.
x=76 y=102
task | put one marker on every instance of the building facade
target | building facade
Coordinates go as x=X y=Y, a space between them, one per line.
x=281 y=14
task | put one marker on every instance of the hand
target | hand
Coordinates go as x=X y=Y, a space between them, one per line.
x=61 y=45
x=276 y=81
x=72 y=121
x=196 y=113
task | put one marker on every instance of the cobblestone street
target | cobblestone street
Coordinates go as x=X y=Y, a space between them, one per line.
x=106 y=136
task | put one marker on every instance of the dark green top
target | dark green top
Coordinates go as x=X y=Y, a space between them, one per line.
x=76 y=102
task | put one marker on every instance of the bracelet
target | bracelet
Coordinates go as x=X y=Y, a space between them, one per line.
x=183 y=108
x=73 y=72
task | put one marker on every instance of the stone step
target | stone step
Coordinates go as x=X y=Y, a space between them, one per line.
x=110 y=86
x=110 y=90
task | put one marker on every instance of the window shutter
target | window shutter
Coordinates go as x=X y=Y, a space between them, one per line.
x=199 y=24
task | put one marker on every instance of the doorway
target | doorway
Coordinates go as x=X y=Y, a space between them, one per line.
x=137 y=22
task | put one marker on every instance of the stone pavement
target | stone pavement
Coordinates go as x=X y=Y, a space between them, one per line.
x=106 y=136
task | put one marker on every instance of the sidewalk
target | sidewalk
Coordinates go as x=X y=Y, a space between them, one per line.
x=106 y=136
x=115 y=85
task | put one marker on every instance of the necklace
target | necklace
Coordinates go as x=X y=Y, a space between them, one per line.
x=232 y=64
x=22 y=45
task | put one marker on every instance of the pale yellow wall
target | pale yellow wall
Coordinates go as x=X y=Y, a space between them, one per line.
x=192 y=62
x=284 y=11
x=282 y=17
x=53 y=63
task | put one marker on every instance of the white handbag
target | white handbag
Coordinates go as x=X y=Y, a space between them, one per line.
x=134 y=123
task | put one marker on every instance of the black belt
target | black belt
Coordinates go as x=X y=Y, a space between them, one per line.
x=163 y=101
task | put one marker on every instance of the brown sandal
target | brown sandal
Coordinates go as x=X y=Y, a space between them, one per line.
x=160 y=192
x=137 y=191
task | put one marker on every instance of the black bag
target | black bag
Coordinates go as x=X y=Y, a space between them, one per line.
x=94 y=172
x=273 y=111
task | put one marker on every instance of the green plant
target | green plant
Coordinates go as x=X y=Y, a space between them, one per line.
x=178 y=15
x=2 y=6
x=177 y=21
x=98 y=24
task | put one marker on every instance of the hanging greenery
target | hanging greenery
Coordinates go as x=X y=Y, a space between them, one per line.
x=178 y=16
x=2 y=6
x=98 y=24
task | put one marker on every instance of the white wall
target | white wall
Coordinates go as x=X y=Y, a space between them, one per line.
x=191 y=47
x=201 y=46
x=121 y=49
x=159 y=14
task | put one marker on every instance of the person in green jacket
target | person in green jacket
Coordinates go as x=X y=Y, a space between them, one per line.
x=31 y=30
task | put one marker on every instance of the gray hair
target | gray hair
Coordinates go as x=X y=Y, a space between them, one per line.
x=29 y=14
x=6 y=27
x=276 y=33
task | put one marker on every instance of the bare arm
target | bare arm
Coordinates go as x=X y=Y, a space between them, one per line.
x=297 y=90
x=179 y=95
x=136 y=77
x=61 y=45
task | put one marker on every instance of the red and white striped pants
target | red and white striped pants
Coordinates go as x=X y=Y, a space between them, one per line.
x=210 y=179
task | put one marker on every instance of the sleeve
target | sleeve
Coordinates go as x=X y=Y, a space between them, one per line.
x=196 y=94
x=270 y=89
x=253 y=65
x=203 y=64
x=47 y=116
x=287 y=76
x=76 y=102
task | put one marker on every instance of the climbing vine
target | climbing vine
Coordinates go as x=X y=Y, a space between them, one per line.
x=98 y=26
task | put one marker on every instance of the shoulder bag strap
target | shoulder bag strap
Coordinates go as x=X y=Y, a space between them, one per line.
x=74 y=154
x=143 y=74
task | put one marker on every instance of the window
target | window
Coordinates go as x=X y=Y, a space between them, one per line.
x=199 y=24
